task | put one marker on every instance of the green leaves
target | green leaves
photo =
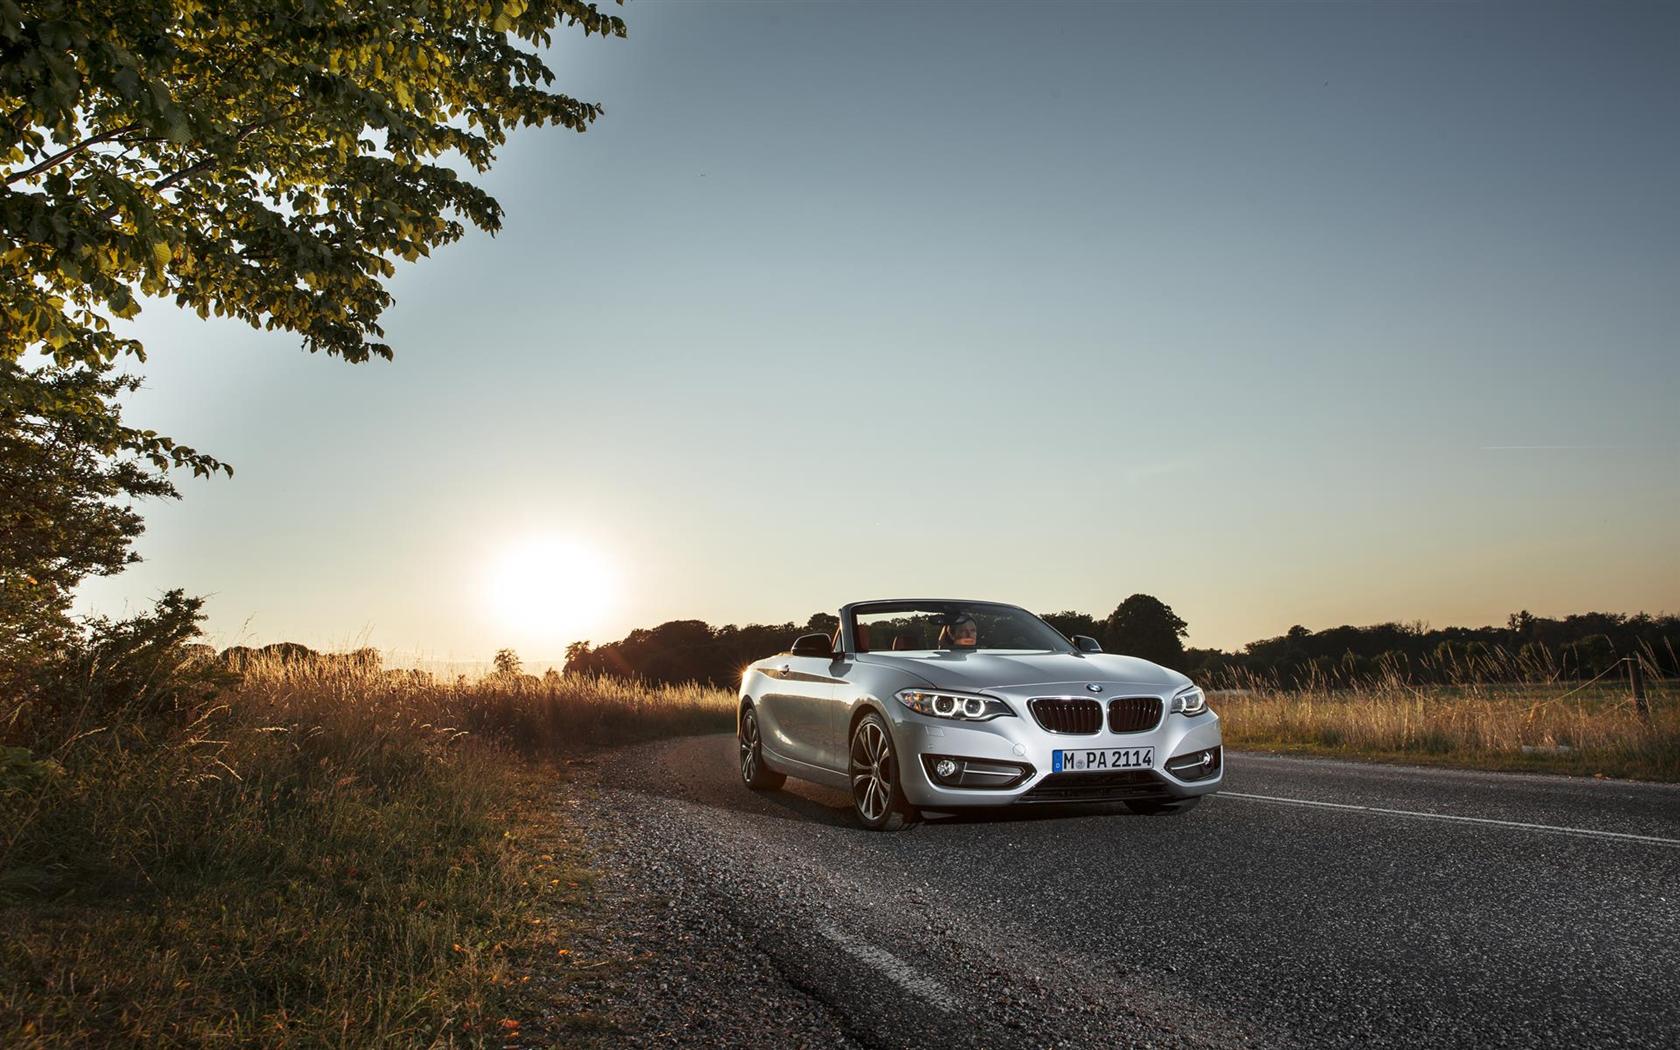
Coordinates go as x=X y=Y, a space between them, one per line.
x=70 y=472
x=163 y=147
x=250 y=159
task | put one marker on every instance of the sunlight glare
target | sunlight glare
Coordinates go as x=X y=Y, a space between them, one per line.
x=552 y=587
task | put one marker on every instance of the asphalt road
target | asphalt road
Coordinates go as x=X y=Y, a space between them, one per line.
x=1313 y=902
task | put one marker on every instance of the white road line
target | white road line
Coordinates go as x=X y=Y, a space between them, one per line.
x=1555 y=829
x=895 y=969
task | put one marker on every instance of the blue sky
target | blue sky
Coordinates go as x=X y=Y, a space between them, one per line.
x=1283 y=313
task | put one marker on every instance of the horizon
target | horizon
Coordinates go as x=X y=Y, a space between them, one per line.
x=1285 y=314
x=539 y=663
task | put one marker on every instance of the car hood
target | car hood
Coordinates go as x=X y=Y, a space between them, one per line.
x=982 y=671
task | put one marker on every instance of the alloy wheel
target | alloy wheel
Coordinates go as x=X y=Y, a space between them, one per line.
x=871 y=767
x=749 y=747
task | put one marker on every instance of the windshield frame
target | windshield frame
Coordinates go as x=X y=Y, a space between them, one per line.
x=849 y=624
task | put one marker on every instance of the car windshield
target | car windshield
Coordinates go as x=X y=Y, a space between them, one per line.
x=953 y=626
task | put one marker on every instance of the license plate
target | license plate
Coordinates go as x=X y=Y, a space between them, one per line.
x=1103 y=758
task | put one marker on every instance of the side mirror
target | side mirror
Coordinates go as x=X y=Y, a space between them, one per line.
x=813 y=645
x=1086 y=644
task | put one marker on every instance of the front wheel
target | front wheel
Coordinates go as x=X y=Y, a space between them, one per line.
x=1162 y=807
x=754 y=773
x=877 y=796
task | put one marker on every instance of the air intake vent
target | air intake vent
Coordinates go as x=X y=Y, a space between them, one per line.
x=1134 y=714
x=1096 y=787
x=1067 y=714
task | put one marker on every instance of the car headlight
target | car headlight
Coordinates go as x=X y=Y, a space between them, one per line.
x=964 y=706
x=1190 y=701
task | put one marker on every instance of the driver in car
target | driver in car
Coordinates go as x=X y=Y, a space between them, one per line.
x=963 y=633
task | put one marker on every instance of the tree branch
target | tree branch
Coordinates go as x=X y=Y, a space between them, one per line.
x=190 y=170
x=63 y=155
x=185 y=173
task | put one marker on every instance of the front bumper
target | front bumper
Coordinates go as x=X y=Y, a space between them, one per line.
x=1021 y=740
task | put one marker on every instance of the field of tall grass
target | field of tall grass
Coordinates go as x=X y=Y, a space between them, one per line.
x=320 y=853
x=1554 y=727
x=300 y=856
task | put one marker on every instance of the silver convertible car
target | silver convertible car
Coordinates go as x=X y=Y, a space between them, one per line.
x=944 y=704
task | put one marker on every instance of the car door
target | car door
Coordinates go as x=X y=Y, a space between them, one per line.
x=799 y=703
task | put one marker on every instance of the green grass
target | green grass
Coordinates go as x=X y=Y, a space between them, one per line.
x=309 y=859
x=1538 y=728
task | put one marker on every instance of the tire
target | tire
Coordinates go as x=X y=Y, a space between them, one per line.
x=877 y=792
x=1161 y=807
x=750 y=745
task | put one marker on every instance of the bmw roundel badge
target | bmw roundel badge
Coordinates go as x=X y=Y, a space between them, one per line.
x=1094 y=687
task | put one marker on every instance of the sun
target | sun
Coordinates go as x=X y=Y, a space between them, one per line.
x=552 y=587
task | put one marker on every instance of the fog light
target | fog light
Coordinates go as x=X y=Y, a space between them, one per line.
x=1198 y=765
x=982 y=773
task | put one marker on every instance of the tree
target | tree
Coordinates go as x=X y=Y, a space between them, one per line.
x=267 y=162
x=577 y=654
x=1146 y=626
x=690 y=650
x=68 y=469
x=257 y=160
x=507 y=664
x=1070 y=623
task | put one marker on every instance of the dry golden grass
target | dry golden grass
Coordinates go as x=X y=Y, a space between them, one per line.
x=1548 y=727
x=533 y=715
x=313 y=855
x=323 y=854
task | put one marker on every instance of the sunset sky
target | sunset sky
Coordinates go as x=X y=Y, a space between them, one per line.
x=1311 y=314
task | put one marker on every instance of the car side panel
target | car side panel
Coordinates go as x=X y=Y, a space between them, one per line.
x=795 y=701
x=779 y=710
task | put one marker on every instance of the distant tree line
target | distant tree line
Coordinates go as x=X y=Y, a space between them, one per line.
x=241 y=658
x=691 y=650
x=1526 y=648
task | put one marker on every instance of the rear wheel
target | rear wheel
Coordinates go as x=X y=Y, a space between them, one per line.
x=877 y=795
x=1162 y=807
x=754 y=773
